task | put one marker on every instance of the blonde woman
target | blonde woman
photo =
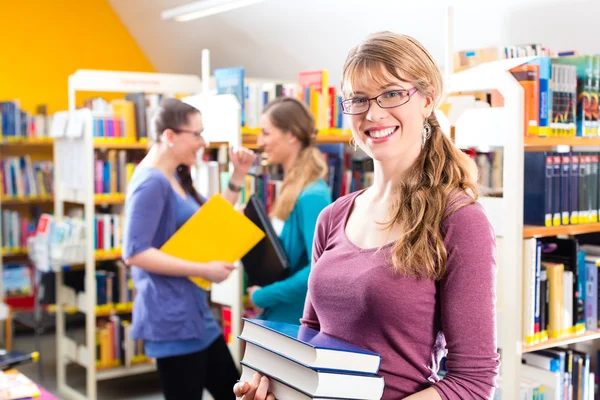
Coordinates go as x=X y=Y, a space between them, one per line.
x=287 y=138
x=406 y=267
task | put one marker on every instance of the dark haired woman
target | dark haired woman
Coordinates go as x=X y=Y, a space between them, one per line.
x=171 y=314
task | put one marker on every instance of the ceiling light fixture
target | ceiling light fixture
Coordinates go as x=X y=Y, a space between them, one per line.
x=204 y=8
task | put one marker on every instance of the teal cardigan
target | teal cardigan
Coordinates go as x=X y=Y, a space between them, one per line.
x=283 y=301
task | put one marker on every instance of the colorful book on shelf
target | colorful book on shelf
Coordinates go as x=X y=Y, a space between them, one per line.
x=562 y=188
x=314 y=91
x=216 y=232
x=528 y=76
x=582 y=79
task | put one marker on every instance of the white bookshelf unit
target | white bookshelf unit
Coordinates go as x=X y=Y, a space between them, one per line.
x=474 y=130
x=74 y=183
x=502 y=127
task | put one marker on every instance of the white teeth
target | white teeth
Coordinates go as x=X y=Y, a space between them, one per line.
x=381 y=133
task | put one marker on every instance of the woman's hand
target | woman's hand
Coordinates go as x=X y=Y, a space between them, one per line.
x=242 y=160
x=251 y=291
x=216 y=271
x=257 y=389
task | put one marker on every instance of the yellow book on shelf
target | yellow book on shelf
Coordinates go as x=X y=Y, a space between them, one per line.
x=216 y=232
x=125 y=109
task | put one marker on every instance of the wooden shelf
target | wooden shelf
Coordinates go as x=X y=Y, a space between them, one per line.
x=109 y=199
x=12 y=142
x=26 y=200
x=108 y=256
x=6 y=252
x=109 y=309
x=250 y=131
x=249 y=140
x=531 y=231
x=108 y=144
x=583 y=337
x=551 y=141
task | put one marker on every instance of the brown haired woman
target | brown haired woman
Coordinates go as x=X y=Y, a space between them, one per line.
x=287 y=138
x=405 y=268
x=170 y=313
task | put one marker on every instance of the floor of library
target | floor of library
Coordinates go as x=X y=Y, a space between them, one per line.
x=145 y=386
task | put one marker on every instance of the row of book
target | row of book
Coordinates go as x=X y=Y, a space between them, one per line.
x=16 y=123
x=17 y=280
x=490 y=170
x=561 y=189
x=553 y=296
x=112 y=174
x=129 y=118
x=558 y=374
x=57 y=242
x=18 y=283
x=560 y=287
x=114 y=284
x=561 y=88
x=108 y=232
x=16 y=229
x=21 y=177
x=312 y=87
x=114 y=346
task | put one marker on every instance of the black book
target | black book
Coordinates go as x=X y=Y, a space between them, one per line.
x=266 y=263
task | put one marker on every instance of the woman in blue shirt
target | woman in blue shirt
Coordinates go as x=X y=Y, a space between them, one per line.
x=288 y=138
x=170 y=313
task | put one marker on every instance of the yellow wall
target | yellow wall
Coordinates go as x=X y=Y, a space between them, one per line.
x=44 y=41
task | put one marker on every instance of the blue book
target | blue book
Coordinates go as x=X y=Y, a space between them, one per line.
x=231 y=81
x=591 y=296
x=309 y=347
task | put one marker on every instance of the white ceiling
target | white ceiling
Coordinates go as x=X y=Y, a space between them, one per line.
x=278 y=38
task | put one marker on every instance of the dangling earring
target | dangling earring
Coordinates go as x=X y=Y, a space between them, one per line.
x=353 y=143
x=426 y=133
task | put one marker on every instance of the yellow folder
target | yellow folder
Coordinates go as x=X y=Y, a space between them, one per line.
x=216 y=232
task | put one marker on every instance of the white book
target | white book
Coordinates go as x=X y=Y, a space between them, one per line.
x=551 y=381
x=279 y=389
x=529 y=269
x=116 y=228
x=107 y=232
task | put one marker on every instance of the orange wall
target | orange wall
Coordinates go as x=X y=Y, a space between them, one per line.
x=44 y=41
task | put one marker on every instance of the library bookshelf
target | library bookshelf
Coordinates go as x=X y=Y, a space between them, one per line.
x=502 y=127
x=34 y=149
x=74 y=184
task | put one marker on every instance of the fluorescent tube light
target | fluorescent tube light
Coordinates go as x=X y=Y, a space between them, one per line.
x=204 y=8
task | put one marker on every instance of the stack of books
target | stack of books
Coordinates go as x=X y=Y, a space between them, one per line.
x=302 y=363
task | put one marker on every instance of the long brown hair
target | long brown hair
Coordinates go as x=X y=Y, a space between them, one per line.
x=432 y=188
x=291 y=115
x=173 y=114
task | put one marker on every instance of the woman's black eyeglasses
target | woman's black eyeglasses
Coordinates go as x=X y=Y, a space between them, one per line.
x=197 y=134
x=391 y=99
